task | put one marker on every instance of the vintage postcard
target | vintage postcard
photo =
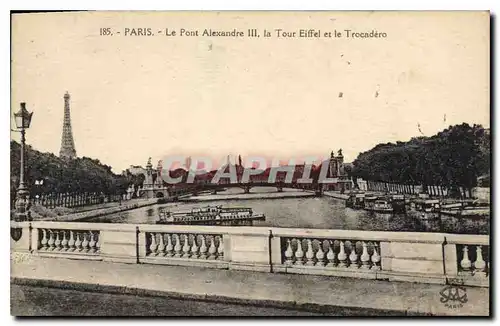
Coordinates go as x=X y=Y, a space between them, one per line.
x=250 y=163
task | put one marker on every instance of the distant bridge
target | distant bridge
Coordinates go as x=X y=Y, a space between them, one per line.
x=215 y=187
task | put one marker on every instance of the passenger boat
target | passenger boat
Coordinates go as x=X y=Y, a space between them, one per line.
x=210 y=215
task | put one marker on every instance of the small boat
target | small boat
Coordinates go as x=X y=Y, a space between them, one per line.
x=210 y=215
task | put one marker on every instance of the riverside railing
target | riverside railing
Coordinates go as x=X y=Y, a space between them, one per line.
x=394 y=256
x=432 y=190
x=71 y=200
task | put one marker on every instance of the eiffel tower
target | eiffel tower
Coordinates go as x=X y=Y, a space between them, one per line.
x=67 y=142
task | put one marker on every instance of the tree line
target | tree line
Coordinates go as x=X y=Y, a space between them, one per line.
x=456 y=157
x=46 y=173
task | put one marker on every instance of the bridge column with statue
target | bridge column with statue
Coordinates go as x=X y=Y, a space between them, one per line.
x=337 y=171
x=153 y=188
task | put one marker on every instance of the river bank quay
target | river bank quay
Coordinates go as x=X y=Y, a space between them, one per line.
x=336 y=194
x=98 y=212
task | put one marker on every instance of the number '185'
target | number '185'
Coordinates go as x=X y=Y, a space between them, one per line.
x=105 y=31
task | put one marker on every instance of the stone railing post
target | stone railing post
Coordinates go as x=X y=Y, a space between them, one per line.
x=227 y=247
x=20 y=237
x=276 y=250
x=141 y=243
x=249 y=249
x=414 y=257
x=34 y=233
x=450 y=259
x=120 y=244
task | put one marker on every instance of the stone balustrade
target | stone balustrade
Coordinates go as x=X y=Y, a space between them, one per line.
x=74 y=241
x=331 y=253
x=394 y=256
x=69 y=240
x=184 y=248
x=468 y=259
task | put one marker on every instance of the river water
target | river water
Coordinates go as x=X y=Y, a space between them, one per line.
x=313 y=213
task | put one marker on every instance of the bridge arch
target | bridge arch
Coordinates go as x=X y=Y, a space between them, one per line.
x=160 y=194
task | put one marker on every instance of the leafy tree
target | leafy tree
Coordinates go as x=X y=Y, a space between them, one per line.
x=453 y=158
x=60 y=176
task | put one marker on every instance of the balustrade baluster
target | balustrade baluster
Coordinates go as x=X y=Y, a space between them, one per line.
x=85 y=242
x=186 y=248
x=479 y=264
x=309 y=253
x=466 y=263
x=169 y=248
x=71 y=242
x=78 y=242
x=153 y=245
x=44 y=240
x=288 y=253
x=375 y=259
x=299 y=253
x=92 y=242
x=203 y=247
x=194 y=248
x=220 y=249
x=212 y=249
x=177 y=247
x=342 y=257
x=161 y=245
x=330 y=255
x=365 y=257
x=57 y=241
x=353 y=257
x=320 y=255
x=51 y=241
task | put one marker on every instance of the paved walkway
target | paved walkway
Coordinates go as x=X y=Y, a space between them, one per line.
x=316 y=293
x=32 y=301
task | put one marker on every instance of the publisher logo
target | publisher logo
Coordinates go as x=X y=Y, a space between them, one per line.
x=453 y=296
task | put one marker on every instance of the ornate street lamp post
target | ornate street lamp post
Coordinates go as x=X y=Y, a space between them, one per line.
x=23 y=121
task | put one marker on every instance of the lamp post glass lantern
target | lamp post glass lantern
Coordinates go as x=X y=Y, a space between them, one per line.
x=23 y=121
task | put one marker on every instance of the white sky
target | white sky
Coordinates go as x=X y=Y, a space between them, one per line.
x=135 y=97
